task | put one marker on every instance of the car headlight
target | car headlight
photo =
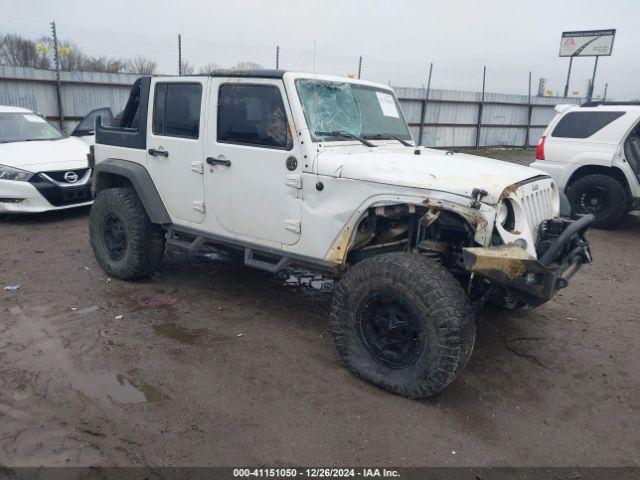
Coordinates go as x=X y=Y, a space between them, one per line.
x=15 y=174
x=506 y=215
x=503 y=213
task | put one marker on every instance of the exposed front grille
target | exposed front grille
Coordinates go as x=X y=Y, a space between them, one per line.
x=538 y=204
x=59 y=194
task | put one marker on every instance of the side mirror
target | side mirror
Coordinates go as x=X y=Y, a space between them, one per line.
x=88 y=123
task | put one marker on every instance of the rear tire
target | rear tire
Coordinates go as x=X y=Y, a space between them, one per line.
x=125 y=242
x=601 y=195
x=402 y=322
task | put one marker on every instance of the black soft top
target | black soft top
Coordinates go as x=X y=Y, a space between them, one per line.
x=245 y=73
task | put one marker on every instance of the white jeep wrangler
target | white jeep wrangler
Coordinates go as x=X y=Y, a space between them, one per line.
x=592 y=151
x=321 y=171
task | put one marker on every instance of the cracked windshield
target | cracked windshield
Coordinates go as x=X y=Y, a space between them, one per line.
x=336 y=111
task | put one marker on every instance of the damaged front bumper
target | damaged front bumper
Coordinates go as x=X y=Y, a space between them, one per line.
x=562 y=249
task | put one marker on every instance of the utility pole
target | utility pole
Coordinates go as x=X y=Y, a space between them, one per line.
x=604 y=97
x=277 y=57
x=481 y=107
x=529 y=115
x=593 y=79
x=56 y=58
x=542 y=83
x=425 y=102
x=566 y=85
x=360 y=67
x=179 y=55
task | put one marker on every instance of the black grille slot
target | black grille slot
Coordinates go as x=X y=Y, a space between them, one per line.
x=62 y=196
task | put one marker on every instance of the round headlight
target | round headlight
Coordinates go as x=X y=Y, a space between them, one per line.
x=503 y=213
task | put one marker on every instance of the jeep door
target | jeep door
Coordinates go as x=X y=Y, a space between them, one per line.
x=175 y=145
x=252 y=179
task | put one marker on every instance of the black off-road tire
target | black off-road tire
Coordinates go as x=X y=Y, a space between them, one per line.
x=444 y=320
x=125 y=242
x=611 y=192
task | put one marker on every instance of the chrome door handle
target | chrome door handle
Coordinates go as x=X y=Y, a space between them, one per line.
x=218 y=161
x=158 y=153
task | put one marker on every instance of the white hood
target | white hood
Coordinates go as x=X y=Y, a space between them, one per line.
x=458 y=173
x=45 y=155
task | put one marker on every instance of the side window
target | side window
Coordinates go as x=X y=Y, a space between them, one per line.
x=583 y=124
x=176 y=109
x=130 y=116
x=253 y=115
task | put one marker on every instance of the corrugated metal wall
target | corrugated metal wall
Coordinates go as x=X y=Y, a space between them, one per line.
x=450 y=118
x=81 y=92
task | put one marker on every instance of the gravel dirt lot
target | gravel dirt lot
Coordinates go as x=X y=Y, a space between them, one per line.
x=241 y=369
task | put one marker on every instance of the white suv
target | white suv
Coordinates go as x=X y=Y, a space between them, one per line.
x=300 y=169
x=592 y=151
x=41 y=169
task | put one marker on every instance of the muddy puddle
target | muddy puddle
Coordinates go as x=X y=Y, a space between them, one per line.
x=36 y=344
x=112 y=387
x=179 y=333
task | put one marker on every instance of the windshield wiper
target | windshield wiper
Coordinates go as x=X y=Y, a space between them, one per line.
x=387 y=136
x=341 y=133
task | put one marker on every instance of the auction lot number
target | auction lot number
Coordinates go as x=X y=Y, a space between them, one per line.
x=314 y=472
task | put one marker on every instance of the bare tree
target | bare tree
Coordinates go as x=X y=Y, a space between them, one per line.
x=142 y=65
x=72 y=58
x=187 y=68
x=22 y=52
x=248 y=66
x=209 y=67
x=103 y=64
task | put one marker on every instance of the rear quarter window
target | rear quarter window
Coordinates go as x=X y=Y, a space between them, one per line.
x=583 y=124
x=176 y=110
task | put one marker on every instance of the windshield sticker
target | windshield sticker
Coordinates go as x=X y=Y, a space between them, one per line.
x=387 y=105
x=34 y=119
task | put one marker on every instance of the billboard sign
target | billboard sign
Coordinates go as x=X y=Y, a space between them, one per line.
x=591 y=43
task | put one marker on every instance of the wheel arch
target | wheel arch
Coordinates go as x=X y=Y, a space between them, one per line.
x=613 y=172
x=388 y=227
x=114 y=172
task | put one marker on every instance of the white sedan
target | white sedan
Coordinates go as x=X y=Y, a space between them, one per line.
x=41 y=169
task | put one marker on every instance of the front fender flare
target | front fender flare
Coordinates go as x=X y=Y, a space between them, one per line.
x=142 y=182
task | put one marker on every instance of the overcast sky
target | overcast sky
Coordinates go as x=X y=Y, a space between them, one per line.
x=397 y=39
